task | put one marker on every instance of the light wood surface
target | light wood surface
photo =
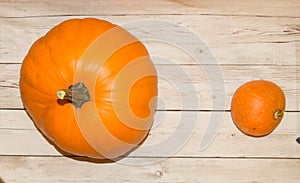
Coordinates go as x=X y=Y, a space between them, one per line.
x=248 y=39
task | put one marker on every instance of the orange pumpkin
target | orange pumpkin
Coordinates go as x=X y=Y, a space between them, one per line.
x=90 y=87
x=257 y=107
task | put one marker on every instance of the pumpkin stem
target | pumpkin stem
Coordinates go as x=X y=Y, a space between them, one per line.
x=78 y=94
x=278 y=113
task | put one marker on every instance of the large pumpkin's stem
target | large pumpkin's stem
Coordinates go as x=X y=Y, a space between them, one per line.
x=278 y=113
x=78 y=94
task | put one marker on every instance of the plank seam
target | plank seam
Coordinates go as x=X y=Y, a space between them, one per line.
x=148 y=14
x=172 y=157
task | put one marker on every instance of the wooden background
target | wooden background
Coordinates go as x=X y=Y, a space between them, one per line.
x=250 y=39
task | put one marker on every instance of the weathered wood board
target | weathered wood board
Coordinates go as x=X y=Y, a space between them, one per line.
x=237 y=40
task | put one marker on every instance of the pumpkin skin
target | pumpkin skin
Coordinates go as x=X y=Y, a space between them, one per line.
x=257 y=107
x=62 y=58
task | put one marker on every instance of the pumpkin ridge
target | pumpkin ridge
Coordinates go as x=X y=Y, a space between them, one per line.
x=28 y=81
x=58 y=70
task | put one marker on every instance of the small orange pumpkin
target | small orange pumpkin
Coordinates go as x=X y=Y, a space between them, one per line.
x=90 y=87
x=257 y=107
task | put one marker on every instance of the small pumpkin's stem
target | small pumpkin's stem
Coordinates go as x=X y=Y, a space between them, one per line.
x=78 y=94
x=278 y=113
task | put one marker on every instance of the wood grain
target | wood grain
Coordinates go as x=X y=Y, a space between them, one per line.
x=248 y=39
x=230 y=39
x=39 y=8
x=53 y=169
x=188 y=83
x=229 y=142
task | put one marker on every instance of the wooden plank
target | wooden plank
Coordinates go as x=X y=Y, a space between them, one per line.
x=22 y=8
x=249 y=39
x=232 y=40
x=49 y=169
x=20 y=137
x=182 y=86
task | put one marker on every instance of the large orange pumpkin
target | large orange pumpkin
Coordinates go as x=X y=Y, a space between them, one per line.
x=90 y=87
x=257 y=107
